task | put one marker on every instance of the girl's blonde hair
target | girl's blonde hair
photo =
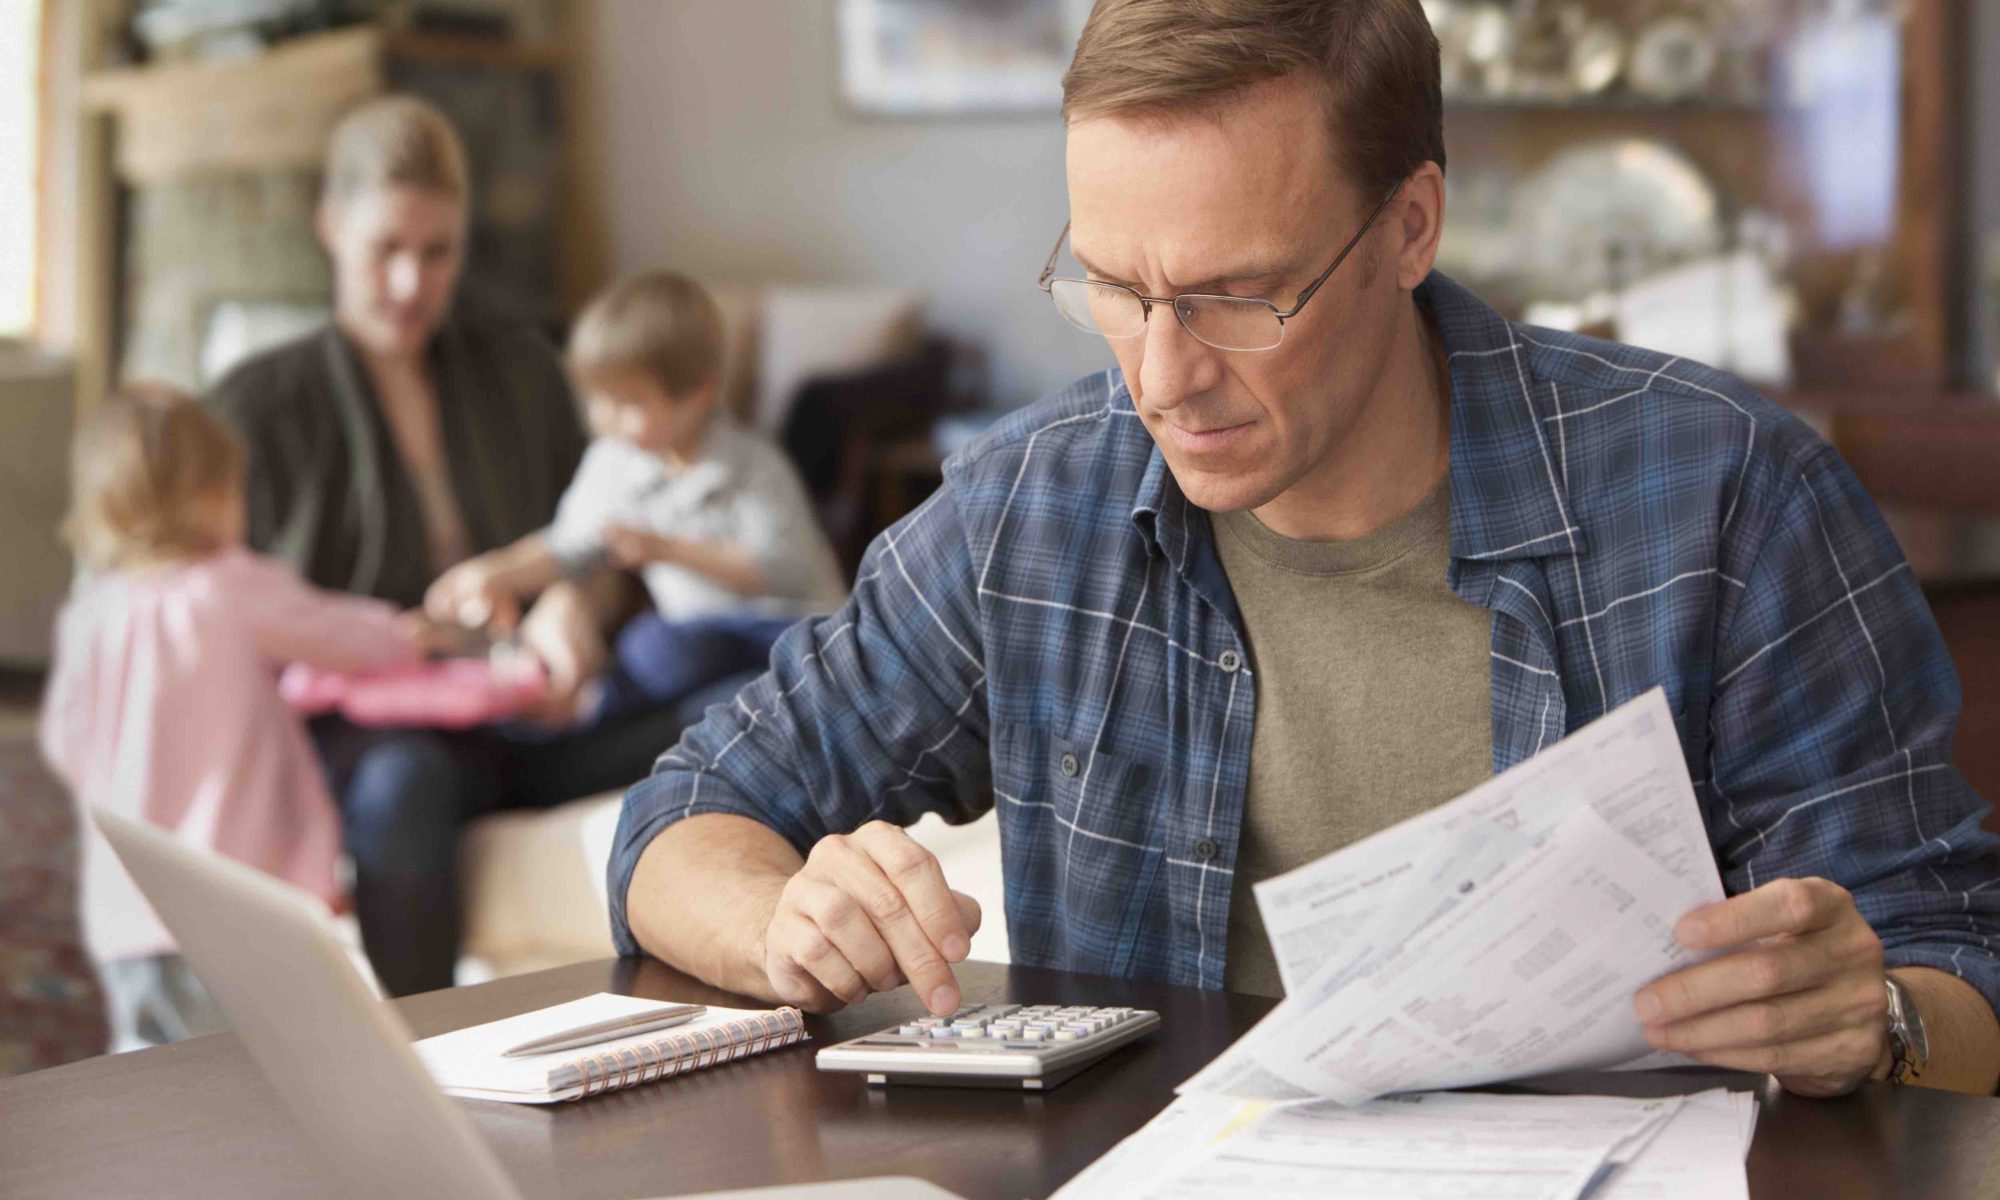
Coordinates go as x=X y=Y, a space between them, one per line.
x=149 y=472
x=394 y=140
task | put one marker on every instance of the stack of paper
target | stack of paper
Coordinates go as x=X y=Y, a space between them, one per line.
x=1437 y=1145
x=1499 y=936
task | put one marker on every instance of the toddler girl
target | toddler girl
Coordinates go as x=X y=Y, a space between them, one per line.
x=163 y=702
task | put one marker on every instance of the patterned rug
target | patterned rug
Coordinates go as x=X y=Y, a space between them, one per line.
x=51 y=1011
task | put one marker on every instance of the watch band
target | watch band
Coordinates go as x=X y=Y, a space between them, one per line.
x=1909 y=1047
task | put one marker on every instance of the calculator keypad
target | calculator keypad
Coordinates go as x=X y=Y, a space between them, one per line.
x=995 y=1043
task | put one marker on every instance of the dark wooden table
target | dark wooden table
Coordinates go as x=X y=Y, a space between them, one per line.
x=196 y=1119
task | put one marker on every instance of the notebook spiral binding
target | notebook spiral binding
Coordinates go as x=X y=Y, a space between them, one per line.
x=678 y=1053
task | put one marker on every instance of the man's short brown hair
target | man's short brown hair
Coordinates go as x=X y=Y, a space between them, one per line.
x=1374 y=64
x=660 y=323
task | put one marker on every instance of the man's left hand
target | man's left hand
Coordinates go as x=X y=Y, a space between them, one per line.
x=1801 y=997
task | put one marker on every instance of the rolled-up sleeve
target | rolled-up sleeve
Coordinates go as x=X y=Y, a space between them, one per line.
x=877 y=711
x=1832 y=720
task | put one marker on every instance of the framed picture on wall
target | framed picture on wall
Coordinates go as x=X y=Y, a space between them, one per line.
x=917 y=58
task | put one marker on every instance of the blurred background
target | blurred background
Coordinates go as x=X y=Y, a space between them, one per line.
x=1804 y=192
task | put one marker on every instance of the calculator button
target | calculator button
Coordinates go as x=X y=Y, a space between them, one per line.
x=1068 y=1035
x=911 y=1031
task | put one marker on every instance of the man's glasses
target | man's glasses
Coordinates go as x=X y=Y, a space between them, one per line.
x=1113 y=310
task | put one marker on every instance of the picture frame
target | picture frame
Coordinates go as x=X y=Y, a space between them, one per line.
x=929 y=58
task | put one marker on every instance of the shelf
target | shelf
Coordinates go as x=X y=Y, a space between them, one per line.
x=1622 y=105
x=276 y=110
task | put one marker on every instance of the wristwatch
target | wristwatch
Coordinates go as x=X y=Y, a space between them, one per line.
x=1909 y=1048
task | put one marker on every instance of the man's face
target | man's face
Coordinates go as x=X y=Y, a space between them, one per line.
x=396 y=253
x=1245 y=201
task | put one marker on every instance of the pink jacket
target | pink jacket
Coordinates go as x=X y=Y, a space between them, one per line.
x=164 y=706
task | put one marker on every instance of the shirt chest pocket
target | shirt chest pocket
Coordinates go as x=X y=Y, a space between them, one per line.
x=1080 y=846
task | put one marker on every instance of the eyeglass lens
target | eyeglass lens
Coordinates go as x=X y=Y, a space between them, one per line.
x=1224 y=322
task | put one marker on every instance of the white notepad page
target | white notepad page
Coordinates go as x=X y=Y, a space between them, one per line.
x=468 y=1062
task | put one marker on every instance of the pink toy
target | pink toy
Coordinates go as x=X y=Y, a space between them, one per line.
x=453 y=693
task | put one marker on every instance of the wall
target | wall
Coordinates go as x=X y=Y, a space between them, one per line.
x=35 y=410
x=730 y=157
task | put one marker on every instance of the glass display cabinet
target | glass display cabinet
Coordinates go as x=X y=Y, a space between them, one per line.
x=1765 y=185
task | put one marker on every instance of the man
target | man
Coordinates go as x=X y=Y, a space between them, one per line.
x=1334 y=543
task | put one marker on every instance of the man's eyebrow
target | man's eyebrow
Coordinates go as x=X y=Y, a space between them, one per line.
x=1254 y=272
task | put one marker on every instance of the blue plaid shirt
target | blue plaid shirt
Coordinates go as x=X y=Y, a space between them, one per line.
x=1052 y=635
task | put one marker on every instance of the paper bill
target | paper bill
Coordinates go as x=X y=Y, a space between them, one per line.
x=1405 y=1148
x=1498 y=936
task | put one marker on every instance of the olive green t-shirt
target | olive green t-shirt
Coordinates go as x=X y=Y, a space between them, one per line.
x=1373 y=697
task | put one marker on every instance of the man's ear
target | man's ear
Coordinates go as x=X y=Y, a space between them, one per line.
x=1418 y=214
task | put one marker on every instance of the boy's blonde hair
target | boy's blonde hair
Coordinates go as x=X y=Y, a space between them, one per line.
x=663 y=324
x=149 y=470
x=394 y=140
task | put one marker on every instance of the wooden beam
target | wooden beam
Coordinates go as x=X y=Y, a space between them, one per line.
x=76 y=227
x=1929 y=193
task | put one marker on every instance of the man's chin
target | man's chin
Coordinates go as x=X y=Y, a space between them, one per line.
x=1226 y=491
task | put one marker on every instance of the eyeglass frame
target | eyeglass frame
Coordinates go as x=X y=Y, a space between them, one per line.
x=1048 y=280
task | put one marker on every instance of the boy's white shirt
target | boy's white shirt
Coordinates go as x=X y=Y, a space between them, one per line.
x=741 y=491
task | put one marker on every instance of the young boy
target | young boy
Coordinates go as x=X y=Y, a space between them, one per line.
x=713 y=518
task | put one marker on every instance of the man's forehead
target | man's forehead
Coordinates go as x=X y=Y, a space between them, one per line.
x=1238 y=185
x=1196 y=200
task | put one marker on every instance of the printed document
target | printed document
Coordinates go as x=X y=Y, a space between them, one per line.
x=1499 y=936
x=1520 y=1147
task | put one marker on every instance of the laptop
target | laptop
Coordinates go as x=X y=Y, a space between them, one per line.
x=339 y=1057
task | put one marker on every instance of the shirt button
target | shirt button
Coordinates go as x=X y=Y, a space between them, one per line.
x=1229 y=662
x=1069 y=765
x=1206 y=849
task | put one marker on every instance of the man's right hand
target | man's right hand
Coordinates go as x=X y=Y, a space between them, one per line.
x=867 y=912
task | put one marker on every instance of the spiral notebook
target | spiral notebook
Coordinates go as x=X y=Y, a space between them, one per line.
x=468 y=1062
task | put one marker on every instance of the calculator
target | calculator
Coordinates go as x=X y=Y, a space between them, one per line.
x=1033 y=1047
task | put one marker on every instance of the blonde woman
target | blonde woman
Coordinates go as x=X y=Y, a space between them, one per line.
x=398 y=441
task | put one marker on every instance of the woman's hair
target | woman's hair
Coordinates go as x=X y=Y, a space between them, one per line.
x=1373 y=63
x=149 y=471
x=663 y=324
x=394 y=140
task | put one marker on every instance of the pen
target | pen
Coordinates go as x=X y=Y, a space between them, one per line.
x=604 y=1031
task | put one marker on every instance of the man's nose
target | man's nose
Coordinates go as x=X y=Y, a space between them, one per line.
x=1176 y=365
